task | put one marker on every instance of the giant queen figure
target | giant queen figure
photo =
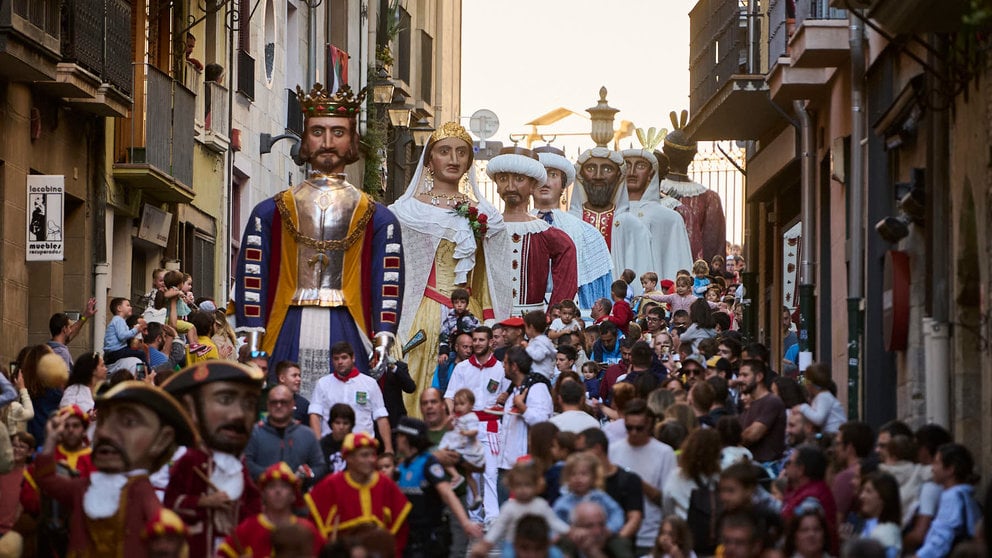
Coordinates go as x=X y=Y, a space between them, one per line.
x=452 y=237
x=322 y=261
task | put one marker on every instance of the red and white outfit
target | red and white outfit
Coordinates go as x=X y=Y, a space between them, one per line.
x=357 y=390
x=486 y=380
x=536 y=250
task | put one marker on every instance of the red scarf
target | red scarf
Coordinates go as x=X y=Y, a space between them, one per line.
x=354 y=373
x=489 y=363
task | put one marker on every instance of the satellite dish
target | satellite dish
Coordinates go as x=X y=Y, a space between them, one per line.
x=484 y=124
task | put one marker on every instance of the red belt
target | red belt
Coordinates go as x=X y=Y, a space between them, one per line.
x=491 y=420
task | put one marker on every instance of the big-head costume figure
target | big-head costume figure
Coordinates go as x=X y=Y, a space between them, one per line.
x=322 y=261
x=137 y=432
x=209 y=486
x=602 y=202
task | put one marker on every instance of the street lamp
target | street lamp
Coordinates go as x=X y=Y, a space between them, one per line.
x=602 y=120
x=382 y=88
x=421 y=132
x=399 y=116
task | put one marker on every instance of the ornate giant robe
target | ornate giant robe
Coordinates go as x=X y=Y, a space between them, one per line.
x=537 y=249
x=372 y=285
x=595 y=269
x=704 y=218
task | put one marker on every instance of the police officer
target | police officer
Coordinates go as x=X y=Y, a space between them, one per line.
x=423 y=481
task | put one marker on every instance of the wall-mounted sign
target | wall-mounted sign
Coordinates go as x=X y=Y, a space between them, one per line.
x=46 y=218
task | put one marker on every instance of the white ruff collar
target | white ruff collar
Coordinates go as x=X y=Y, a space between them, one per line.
x=527 y=227
x=682 y=189
x=227 y=475
x=103 y=495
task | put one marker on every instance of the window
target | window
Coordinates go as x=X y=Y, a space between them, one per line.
x=426 y=66
x=404 y=47
x=198 y=260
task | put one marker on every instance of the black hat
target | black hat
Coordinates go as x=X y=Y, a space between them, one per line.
x=165 y=406
x=416 y=429
x=201 y=373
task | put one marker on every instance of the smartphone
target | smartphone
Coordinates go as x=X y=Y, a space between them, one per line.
x=14 y=370
x=139 y=371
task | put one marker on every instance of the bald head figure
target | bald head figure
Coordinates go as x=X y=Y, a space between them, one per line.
x=432 y=408
x=280 y=405
x=589 y=524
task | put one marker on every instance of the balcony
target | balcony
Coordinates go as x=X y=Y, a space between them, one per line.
x=786 y=82
x=29 y=39
x=154 y=147
x=95 y=72
x=821 y=38
x=725 y=100
x=213 y=105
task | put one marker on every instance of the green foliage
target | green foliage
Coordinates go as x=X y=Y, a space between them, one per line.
x=373 y=146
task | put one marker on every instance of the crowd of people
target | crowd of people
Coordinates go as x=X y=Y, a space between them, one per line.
x=437 y=378
x=548 y=436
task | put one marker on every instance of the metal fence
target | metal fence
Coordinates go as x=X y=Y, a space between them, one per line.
x=778 y=30
x=718 y=173
x=817 y=9
x=168 y=116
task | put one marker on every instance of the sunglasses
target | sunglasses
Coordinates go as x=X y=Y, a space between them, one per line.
x=636 y=428
x=258 y=354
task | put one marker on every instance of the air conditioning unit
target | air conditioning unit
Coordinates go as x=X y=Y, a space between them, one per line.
x=155 y=225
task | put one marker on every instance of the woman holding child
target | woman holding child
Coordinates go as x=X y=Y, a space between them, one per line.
x=452 y=237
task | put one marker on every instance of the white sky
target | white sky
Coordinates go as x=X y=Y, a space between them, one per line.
x=523 y=58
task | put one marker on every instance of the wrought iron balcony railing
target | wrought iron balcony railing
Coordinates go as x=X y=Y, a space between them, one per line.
x=96 y=35
x=717 y=47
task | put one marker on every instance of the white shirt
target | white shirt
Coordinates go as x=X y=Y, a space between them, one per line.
x=361 y=393
x=485 y=383
x=516 y=425
x=653 y=462
x=574 y=421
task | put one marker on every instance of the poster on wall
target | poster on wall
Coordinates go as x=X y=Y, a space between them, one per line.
x=45 y=218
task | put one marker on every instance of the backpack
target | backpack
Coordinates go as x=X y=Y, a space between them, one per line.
x=704 y=510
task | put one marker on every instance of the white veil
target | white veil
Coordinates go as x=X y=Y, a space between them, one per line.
x=424 y=226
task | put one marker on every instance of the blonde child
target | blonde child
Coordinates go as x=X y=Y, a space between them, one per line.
x=525 y=482
x=700 y=269
x=463 y=438
x=583 y=477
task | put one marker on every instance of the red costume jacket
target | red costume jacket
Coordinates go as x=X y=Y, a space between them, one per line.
x=337 y=503
x=187 y=486
x=253 y=537
x=116 y=536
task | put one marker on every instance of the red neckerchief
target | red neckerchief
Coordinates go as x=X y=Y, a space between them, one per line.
x=354 y=373
x=491 y=362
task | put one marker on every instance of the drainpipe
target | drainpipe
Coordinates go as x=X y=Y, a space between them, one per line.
x=101 y=267
x=807 y=265
x=855 y=268
x=753 y=36
x=937 y=345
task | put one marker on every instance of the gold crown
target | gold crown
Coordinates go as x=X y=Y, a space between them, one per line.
x=451 y=130
x=343 y=102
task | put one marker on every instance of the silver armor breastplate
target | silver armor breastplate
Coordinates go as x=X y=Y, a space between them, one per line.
x=325 y=205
